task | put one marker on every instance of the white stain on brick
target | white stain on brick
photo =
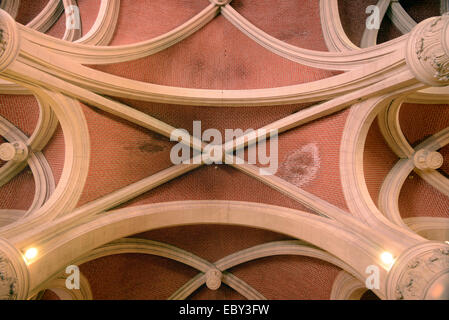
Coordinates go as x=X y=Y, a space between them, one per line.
x=300 y=166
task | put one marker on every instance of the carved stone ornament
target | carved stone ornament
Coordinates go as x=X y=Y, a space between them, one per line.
x=428 y=51
x=8 y=280
x=418 y=270
x=425 y=159
x=213 y=279
x=15 y=151
x=13 y=273
x=9 y=40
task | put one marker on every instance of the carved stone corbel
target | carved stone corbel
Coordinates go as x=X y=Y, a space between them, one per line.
x=14 y=276
x=9 y=40
x=427 y=52
x=422 y=272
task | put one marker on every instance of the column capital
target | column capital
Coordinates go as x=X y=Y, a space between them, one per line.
x=14 y=275
x=427 y=52
x=422 y=272
x=9 y=40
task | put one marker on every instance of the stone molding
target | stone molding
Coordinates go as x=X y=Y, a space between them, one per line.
x=9 y=40
x=14 y=277
x=427 y=51
x=417 y=270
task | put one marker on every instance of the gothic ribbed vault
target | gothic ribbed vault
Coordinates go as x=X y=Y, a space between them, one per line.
x=87 y=179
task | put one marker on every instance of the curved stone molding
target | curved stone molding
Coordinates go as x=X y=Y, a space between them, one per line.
x=427 y=52
x=47 y=17
x=142 y=246
x=347 y=287
x=101 y=33
x=8 y=216
x=418 y=271
x=389 y=125
x=400 y=18
x=369 y=37
x=388 y=201
x=61 y=248
x=76 y=164
x=42 y=173
x=431 y=228
x=10 y=133
x=353 y=180
x=14 y=277
x=9 y=40
x=10 y=6
x=277 y=248
x=58 y=286
x=70 y=34
x=89 y=54
x=346 y=57
x=334 y=35
x=444 y=6
x=53 y=70
x=431 y=95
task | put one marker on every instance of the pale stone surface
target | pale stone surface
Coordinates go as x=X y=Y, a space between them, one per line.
x=15 y=151
x=425 y=159
x=354 y=238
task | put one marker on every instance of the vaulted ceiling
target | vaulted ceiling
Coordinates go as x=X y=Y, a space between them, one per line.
x=220 y=56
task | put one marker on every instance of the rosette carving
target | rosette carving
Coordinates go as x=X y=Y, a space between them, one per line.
x=213 y=279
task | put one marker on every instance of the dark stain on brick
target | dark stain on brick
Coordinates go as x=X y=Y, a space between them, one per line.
x=148 y=147
x=151 y=148
x=157 y=136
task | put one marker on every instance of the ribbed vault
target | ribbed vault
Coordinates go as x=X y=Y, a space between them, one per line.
x=93 y=109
